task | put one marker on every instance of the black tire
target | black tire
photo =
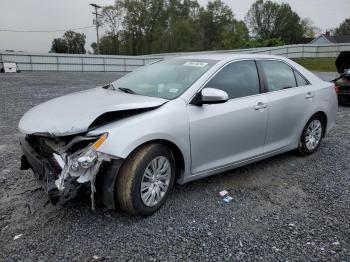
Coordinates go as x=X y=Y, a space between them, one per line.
x=302 y=148
x=128 y=184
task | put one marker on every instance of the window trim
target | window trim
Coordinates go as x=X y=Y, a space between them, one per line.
x=260 y=77
x=303 y=77
x=266 y=88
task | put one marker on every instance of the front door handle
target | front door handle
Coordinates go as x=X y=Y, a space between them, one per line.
x=260 y=106
x=309 y=95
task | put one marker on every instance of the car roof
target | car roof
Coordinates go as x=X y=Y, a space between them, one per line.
x=228 y=56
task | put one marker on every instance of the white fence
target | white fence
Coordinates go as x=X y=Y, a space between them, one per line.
x=290 y=51
x=72 y=62
x=105 y=63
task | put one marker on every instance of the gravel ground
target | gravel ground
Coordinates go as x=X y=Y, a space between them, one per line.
x=286 y=208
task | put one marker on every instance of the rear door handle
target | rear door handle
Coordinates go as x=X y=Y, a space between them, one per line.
x=309 y=95
x=260 y=106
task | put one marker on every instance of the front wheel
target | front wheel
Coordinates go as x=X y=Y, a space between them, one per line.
x=145 y=179
x=312 y=135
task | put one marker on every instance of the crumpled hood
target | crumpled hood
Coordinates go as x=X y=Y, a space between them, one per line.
x=74 y=113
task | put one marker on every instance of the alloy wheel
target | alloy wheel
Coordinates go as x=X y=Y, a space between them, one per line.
x=313 y=134
x=155 y=181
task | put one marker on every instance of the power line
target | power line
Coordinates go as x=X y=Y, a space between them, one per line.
x=43 y=31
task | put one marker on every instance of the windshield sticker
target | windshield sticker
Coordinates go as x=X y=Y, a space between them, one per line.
x=173 y=90
x=195 y=64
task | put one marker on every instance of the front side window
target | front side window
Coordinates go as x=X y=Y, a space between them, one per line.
x=237 y=79
x=166 y=79
x=278 y=75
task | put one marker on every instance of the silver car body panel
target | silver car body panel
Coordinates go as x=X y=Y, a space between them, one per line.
x=73 y=113
x=169 y=122
x=211 y=138
x=220 y=137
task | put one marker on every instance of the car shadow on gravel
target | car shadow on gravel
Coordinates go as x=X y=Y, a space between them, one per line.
x=252 y=176
x=248 y=177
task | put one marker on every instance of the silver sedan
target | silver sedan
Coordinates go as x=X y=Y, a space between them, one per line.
x=176 y=120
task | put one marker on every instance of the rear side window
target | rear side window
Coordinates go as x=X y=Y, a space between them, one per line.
x=237 y=79
x=279 y=75
x=300 y=80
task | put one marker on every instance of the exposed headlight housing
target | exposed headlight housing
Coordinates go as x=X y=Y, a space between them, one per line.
x=83 y=164
x=88 y=156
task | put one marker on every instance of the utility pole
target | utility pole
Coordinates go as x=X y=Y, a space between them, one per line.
x=97 y=25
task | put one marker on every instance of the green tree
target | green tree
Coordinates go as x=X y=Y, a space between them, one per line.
x=136 y=27
x=220 y=30
x=254 y=43
x=112 y=18
x=182 y=32
x=59 y=45
x=107 y=46
x=343 y=29
x=94 y=48
x=309 y=30
x=75 y=42
x=271 y=20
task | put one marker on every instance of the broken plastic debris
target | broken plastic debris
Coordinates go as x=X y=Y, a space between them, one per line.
x=225 y=196
x=83 y=173
x=17 y=236
x=275 y=248
x=227 y=199
x=223 y=193
x=97 y=258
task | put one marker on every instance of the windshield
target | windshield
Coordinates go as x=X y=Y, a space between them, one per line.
x=166 y=79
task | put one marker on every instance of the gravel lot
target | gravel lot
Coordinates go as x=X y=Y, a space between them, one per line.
x=286 y=208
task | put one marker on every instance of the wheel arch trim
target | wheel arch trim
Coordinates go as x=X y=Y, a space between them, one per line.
x=182 y=159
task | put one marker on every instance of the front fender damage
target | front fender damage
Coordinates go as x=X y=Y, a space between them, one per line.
x=66 y=172
x=65 y=161
x=74 y=171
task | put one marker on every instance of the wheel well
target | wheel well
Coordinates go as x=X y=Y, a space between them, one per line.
x=324 y=117
x=178 y=157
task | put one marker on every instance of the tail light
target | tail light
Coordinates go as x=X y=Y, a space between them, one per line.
x=336 y=89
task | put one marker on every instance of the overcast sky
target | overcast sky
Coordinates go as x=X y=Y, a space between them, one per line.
x=65 y=14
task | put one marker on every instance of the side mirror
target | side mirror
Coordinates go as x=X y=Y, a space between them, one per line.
x=210 y=95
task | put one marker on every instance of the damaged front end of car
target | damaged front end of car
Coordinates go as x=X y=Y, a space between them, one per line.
x=68 y=166
x=62 y=146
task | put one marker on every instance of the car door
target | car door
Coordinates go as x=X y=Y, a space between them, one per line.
x=290 y=99
x=222 y=134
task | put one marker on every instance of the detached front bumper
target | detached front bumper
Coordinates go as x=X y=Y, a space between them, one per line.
x=47 y=174
x=42 y=169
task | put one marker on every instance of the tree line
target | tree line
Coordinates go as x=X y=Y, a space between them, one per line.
x=137 y=27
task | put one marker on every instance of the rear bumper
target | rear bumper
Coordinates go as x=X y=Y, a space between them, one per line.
x=343 y=92
x=343 y=97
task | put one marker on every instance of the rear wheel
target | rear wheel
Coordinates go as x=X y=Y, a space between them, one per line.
x=145 y=180
x=312 y=135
